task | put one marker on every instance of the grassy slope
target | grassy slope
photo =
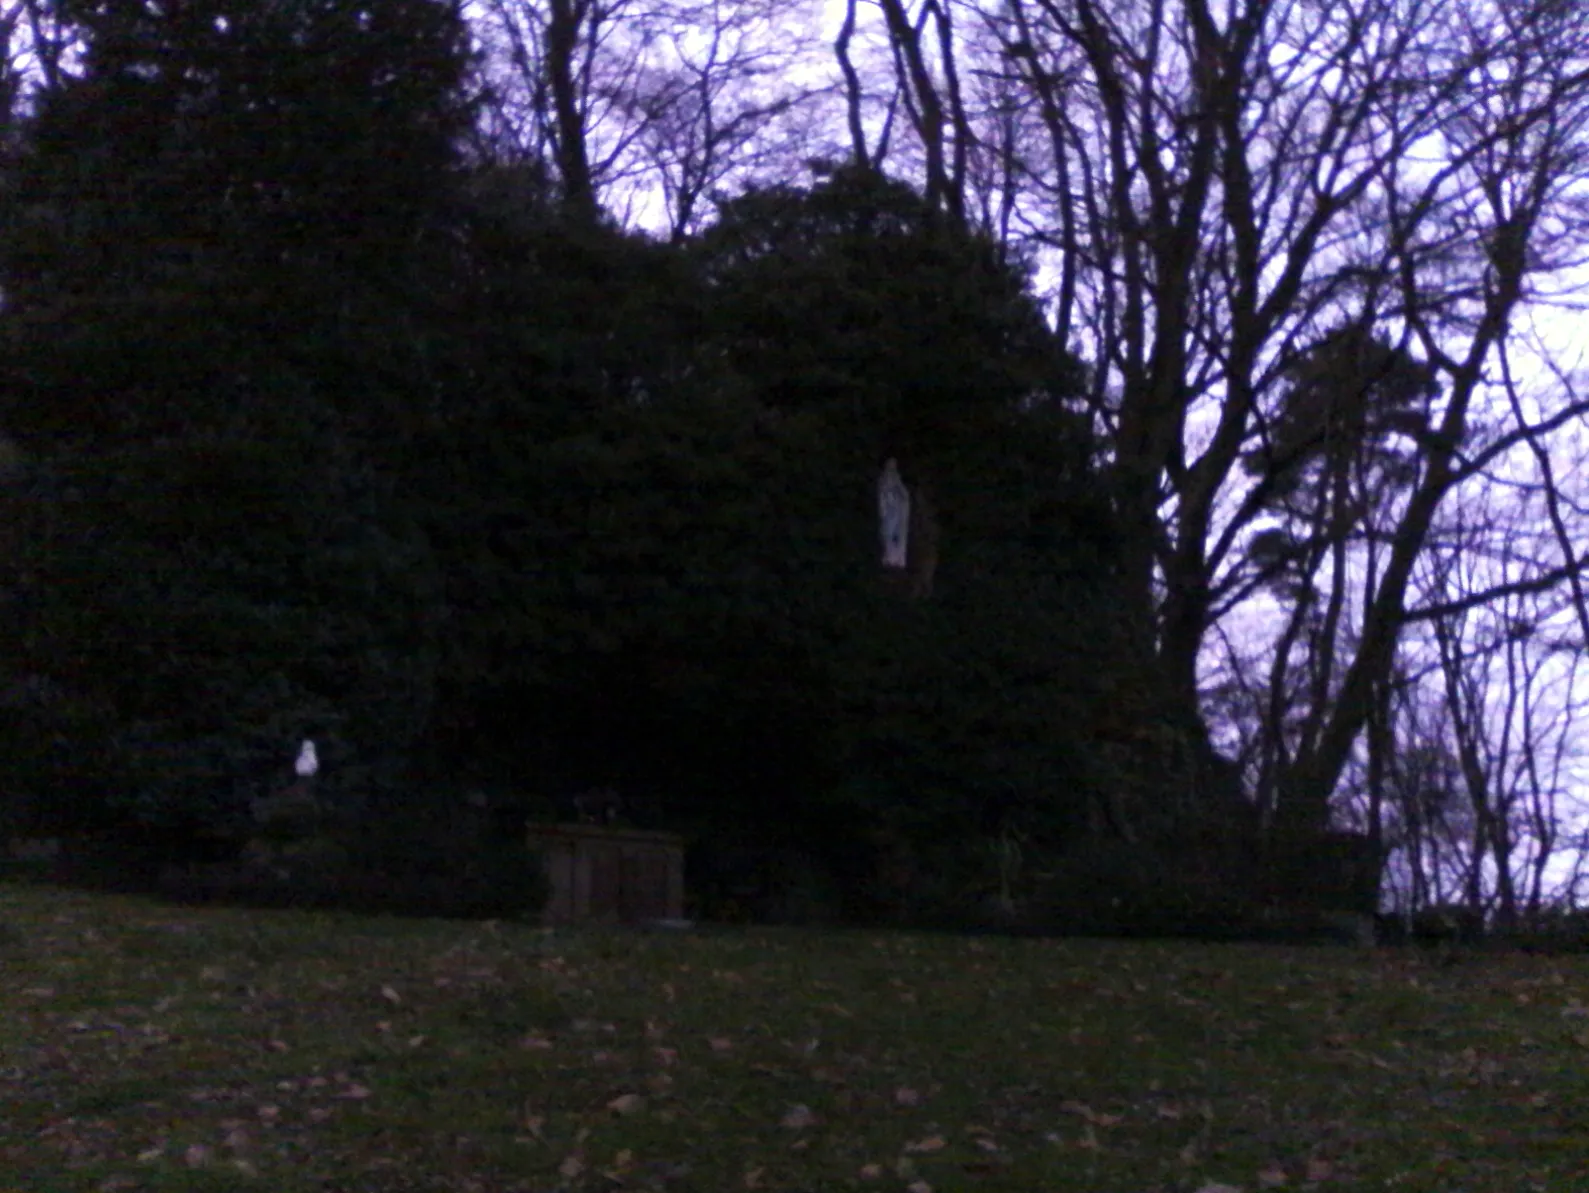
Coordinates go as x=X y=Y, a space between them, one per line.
x=146 y=1047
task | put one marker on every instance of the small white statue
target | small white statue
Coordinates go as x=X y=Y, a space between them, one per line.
x=893 y=513
x=307 y=763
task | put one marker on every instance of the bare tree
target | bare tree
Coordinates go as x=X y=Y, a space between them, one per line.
x=560 y=71
x=629 y=100
x=1491 y=686
x=722 y=103
x=1429 y=865
x=1229 y=186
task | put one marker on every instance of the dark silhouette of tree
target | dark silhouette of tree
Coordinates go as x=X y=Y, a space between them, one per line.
x=214 y=226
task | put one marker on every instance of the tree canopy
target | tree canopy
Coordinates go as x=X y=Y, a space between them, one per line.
x=480 y=493
x=499 y=393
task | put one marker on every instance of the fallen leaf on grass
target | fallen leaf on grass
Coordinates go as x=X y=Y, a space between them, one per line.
x=753 y=1178
x=933 y=1143
x=197 y=1156
x=391 y=996
x=798 y=1117
x=904 y=1096
x=918 y=1187
x=1272 y=1177
x=871 y=1172
x=626 y=1104
x=355 y=1092
x=1090 y=1115
x=621 y=1164
x=571 y=1167
x=1318 y=1170
x=720 y=1044
x=535 y=1043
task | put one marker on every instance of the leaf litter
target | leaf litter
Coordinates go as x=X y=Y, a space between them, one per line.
x=506 y=1058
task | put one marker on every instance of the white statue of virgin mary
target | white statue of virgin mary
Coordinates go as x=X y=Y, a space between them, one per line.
x=893 y=514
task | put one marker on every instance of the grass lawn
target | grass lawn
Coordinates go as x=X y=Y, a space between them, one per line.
x=145 y=1047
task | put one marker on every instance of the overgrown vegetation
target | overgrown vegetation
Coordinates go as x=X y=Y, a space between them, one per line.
x=487 y=498
x=342 y=398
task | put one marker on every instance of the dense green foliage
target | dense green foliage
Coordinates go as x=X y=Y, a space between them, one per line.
x=328 y=432
x=206 y=253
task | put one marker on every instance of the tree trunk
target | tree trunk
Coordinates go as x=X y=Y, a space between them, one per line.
x=565 y=30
